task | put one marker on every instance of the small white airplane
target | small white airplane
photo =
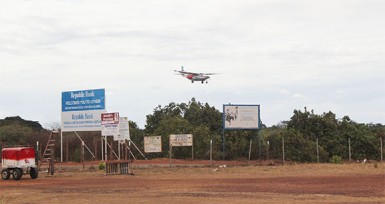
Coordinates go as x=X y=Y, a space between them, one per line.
x=193 y=76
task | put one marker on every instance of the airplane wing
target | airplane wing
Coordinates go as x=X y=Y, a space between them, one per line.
x=183 y=72
x=208 y=73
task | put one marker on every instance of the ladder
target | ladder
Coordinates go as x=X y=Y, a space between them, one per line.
x=49 y=148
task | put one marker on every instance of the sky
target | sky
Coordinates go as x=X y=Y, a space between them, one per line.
x=281 y=54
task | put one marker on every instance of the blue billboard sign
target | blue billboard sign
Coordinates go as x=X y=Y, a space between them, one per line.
x=83 y=100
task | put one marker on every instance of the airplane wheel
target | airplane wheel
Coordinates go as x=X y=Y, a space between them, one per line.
x=34 y=173
x=16 y=174
x=5 y=174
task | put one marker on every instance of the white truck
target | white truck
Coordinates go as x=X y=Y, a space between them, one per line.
x=17 y=161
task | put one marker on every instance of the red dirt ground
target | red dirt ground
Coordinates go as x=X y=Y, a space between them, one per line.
x=155 y=182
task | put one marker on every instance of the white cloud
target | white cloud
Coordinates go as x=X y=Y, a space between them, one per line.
x=282 y=54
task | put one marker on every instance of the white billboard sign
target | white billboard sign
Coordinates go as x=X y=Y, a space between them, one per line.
x=124 y=130
x=241 y=117
x=181 y=140
x=152 y=144
x=81 y=110
x=110 y=124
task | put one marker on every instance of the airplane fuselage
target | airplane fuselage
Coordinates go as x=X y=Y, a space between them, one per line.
x=200 y=78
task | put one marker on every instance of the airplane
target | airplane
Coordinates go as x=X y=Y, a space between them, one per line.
x=193 y=76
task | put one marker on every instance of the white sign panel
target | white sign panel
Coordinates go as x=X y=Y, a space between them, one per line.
x=241 y=116
x=81 y=110
x=124 y=130
x=181 y=140
x=153 y=144
x=110 y=124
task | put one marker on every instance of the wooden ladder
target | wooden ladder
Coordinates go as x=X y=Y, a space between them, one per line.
x=49 y=148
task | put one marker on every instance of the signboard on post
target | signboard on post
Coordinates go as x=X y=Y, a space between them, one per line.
x=110 y=124
x=80 y=110
x=181 y=140
x=124 y=130
x=152 y=144
x=241 y=117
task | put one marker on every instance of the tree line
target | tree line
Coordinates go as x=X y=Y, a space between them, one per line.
x=301 y=135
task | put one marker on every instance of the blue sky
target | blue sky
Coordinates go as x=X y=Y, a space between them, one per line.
x=284 y=55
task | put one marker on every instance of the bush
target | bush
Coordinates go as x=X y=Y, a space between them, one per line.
x=102 y=166
x=336 y=159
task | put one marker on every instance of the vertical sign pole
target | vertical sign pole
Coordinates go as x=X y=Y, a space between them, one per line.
x=223 y=144
x=102 y=148
x=170 y=151
x=61 y=146
x=83 y=154
x=119 y=150
x=192 y=148
x=260 y=147
x=105 y=148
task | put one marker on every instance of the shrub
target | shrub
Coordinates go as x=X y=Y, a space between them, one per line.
x=336 y=159
x=102 y=166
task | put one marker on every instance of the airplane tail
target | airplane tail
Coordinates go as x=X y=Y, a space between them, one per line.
x=182 y=69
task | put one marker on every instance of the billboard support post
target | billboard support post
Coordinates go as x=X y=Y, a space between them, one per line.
x=61 y=146
x=170 y=153
x=192 y=151
x=102 y=147
x=105 y=148
x=223 y=144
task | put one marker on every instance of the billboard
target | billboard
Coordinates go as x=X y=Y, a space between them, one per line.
x=241 y=117
x=80 y=110
x=181 y=140
x=110 y=124
x=124 y=130
x=152 y=144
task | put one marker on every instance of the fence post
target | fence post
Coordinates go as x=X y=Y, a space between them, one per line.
x=211 y=152
x=350 y=151
x=283 y=150
x=317 y=151
x=381 y=149
x=249 y=151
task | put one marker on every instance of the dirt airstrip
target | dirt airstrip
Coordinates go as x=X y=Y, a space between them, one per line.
x=155 y=181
